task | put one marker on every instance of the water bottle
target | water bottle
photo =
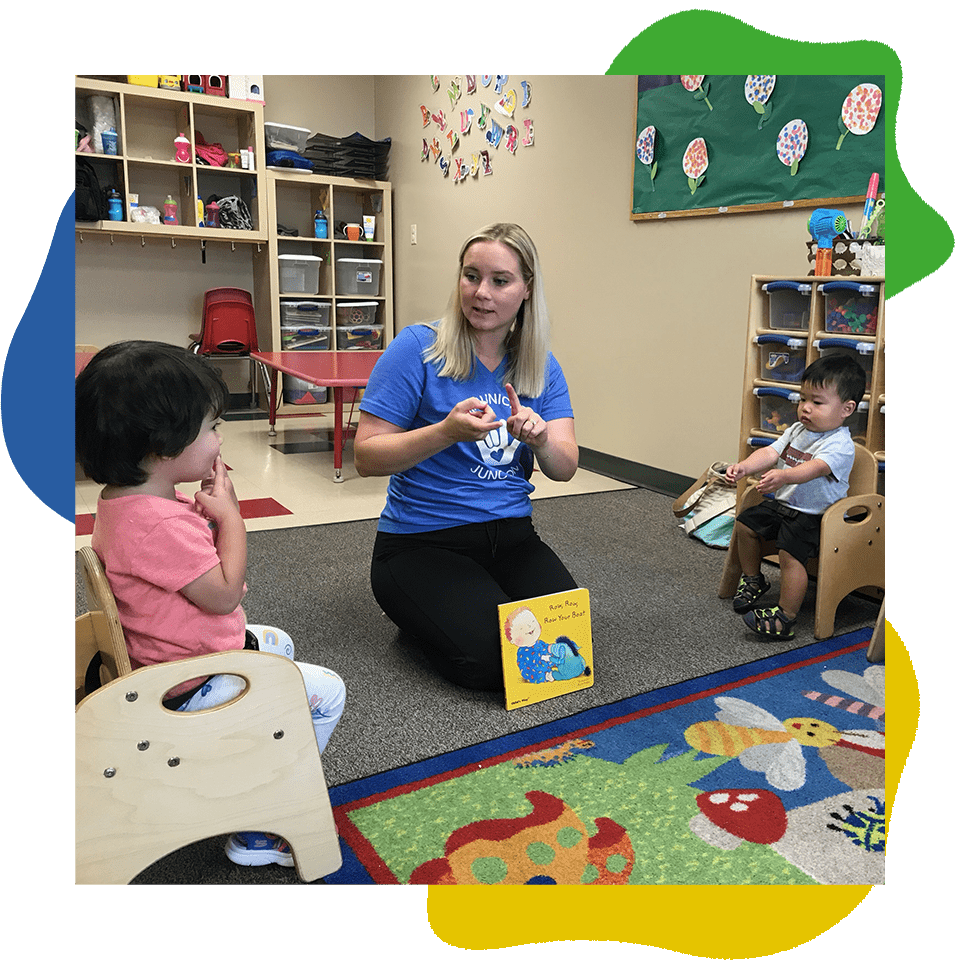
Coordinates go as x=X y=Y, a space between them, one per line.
x=170 y=211
x=320 y=226
x=114 y=205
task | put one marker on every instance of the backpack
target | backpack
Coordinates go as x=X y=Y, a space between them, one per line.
x=89 y=199
x=234 y=214
x=708 y=514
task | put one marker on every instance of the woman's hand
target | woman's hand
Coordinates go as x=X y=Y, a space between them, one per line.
x=524 y=424
x=470 y=419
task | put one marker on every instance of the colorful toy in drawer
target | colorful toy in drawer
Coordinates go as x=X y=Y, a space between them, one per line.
x=360 y=338
x=778 y=408
x=851 y=307
x=789 y=304
x=358 y=312
x=782 y=358
x=299 y=337
x=860 y=350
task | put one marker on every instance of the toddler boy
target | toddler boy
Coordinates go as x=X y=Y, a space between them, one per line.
x=806 y=469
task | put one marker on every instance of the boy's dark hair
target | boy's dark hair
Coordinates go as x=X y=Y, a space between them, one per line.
x=841 y=372
x=139 y=397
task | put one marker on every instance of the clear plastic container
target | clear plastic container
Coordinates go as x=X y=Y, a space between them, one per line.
x=368 y=337
x=359 y=312
x=299 y=273
x=851 y=307
x=859 y=350
x=358 y=276
x=304 y=337
x=782 y=358
x=789 y=304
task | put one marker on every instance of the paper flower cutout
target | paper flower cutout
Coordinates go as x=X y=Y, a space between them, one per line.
x=645 y=144
x=695 y=162
x=860 y=110
x=792 y=144
x=757 y=90
x=694 y=83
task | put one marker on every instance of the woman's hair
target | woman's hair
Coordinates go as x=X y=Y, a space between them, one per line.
x=528 y=342
x=139 y=398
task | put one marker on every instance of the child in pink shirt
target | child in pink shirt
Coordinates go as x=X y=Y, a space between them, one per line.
x=146 y=420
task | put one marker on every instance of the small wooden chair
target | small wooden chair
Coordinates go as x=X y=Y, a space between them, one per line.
x=98 y=631
x=852 y=542
x=150 y=780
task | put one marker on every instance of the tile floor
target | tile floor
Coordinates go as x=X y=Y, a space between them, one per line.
x=288 y=480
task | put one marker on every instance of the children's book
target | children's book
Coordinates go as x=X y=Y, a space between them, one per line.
x=546 y=646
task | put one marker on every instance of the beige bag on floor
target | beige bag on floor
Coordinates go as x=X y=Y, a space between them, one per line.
x=708 y=508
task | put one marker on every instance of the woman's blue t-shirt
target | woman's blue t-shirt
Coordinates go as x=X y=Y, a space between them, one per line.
x=468 y=482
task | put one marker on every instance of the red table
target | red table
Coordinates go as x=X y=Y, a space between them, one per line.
x=336 y=370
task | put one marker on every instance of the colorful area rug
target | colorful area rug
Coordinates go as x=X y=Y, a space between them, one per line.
x=769 y=773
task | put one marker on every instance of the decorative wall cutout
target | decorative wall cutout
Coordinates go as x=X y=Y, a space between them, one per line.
x=481 y=136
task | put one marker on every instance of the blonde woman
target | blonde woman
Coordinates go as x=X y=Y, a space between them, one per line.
x=455 y=413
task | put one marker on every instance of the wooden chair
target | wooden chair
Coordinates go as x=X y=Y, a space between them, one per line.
x=851 y=544
x=150 y=780
x=98 y=631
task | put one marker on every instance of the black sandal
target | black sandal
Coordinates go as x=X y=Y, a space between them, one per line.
x=749 y=591
x=771 y=623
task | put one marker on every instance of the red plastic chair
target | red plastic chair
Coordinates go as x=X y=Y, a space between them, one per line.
x=228 y=328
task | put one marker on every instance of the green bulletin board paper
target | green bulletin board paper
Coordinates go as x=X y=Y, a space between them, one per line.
x=744 y=172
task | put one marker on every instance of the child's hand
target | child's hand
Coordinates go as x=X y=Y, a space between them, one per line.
x=734 y=472
x=772 y=480
x=216 y=497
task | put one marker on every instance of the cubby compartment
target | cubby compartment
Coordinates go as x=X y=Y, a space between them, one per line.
x=356 y=312
x=360 y=337
x=788 y=305
x=301 y=336
x=782 y=358
x=860 y=350
x=778 y=408
x=851 y=307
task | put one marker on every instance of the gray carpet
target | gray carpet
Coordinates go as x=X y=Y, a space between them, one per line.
x=655 y=615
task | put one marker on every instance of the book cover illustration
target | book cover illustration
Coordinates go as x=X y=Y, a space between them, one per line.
x=546 y=646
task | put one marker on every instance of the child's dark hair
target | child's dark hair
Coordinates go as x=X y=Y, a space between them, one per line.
x=843 y=373
x=139 y=397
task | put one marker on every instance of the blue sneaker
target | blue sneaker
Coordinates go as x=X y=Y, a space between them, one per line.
x=253 y=849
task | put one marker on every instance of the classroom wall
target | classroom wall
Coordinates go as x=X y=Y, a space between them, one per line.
x=649 y=318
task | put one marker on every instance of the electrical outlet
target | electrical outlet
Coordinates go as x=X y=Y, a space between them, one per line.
x=413 y=233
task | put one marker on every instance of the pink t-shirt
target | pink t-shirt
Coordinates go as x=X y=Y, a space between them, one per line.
x=151 y=548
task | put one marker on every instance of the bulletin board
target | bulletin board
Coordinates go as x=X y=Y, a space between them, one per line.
x=735 y=144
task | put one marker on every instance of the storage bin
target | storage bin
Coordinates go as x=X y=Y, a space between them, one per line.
x=359 y=312
x=314 y=312
x=851 y=307
x=856 y=423
x=778 y=408
x=280 y=136
x=358 y=276
x=296 y=390
x=303 y=337
x=782 y=358
x=299 y=273
x=860 y=350
x=360 y=338
x=789 y=304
